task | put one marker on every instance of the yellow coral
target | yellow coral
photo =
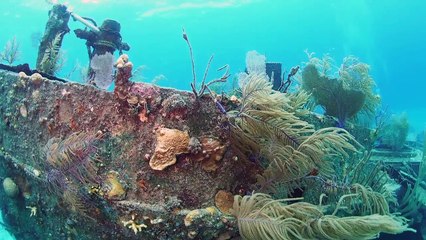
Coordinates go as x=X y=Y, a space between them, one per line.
x=199 y=213
x=190 y=217
x=36 y=79
x=117 y=189
x=33 y=210
x=133 y=225
x=211 y=210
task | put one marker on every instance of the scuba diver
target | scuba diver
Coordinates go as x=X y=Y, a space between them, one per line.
x=101 y=44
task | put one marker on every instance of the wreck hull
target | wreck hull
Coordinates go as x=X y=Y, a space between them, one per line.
x=33 y=112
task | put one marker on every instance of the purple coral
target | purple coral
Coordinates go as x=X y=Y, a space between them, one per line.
x=144 y=90
x=55 y=181
x=70 y=160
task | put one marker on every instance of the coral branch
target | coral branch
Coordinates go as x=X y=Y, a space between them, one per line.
x=124 y=73
x=203 y=86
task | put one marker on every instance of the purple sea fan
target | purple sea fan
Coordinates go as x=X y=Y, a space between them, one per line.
x=102 y=68
x=71 y=159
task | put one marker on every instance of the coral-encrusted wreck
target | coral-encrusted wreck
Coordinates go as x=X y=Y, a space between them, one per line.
x=131 y=164
x=145 y=162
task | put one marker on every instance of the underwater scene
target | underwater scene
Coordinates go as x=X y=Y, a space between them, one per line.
x=226 y=119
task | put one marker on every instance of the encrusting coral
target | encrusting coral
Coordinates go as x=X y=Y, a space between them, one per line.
x=199 y=213
x=138 y=98
x=124 y=73
x=170 y=142
x=36 y=79
x=224 y=200
x=10 y=187
x=210 y=154
x=116 y=189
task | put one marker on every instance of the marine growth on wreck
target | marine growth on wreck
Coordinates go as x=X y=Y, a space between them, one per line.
x=252 y=154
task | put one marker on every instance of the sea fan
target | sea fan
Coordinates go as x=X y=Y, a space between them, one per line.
x=11 y=52
x=343 y=95
x=102 y=68
x=330 y=93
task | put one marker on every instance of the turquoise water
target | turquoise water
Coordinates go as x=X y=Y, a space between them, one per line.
x=390 y=35
x=4 y=235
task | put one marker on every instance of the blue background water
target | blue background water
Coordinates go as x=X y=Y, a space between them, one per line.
x=4 y=235
x=390 y=35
